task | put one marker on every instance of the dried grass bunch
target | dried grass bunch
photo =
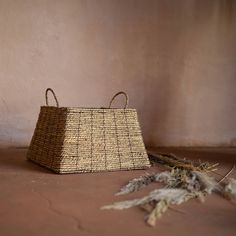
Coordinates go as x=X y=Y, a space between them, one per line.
x=182 y=181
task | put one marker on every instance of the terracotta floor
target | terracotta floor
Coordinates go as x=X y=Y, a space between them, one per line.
x=34 y=201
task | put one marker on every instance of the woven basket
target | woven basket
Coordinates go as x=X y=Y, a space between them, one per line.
x=75 y=140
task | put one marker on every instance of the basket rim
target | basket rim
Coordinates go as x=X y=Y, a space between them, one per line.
x=90 y=108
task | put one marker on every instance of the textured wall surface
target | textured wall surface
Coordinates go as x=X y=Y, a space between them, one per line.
x=176 y=59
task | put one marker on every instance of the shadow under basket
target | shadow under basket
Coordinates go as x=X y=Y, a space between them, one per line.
x=76 y=140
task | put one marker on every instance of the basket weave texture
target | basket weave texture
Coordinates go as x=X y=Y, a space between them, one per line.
x=75 y=140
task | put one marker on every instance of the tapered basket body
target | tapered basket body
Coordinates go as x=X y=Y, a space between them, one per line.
x=75 y=140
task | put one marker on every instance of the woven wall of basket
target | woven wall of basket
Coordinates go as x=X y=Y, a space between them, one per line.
x=75 y=140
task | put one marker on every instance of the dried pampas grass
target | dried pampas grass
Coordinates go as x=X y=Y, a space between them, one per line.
x=171 y=160
x=206 y=183
x=230 y=189
x=137 y=183
x=158 y=202
x=171 y=196
x=160 y=208
x=143 y=181
x=183 y=181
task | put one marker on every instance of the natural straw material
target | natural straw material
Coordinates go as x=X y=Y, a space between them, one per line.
x=74 y=140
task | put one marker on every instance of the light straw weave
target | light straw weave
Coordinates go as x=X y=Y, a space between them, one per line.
x=75 y=140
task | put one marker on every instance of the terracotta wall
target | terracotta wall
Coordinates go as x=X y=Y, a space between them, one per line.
x=176 y=59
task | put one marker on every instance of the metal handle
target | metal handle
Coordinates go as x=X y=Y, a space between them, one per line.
x=54 y=95
x=117 y=94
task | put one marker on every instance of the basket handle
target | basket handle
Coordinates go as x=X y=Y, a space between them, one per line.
x=126 y=99
x=54 y=95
